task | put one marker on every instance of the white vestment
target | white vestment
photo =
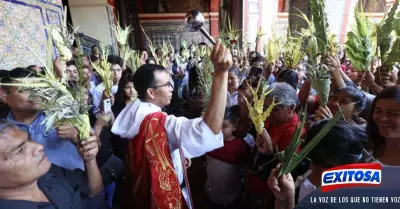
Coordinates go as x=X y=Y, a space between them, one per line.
x=193 y=137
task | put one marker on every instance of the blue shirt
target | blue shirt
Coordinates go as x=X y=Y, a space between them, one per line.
x=64 y=189
x=61 y=152
x=271 y=79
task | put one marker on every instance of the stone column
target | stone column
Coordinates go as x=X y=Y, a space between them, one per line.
x=296 y=22
x=93 y=19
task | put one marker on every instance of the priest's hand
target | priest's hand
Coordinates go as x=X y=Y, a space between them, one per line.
x=221 y=57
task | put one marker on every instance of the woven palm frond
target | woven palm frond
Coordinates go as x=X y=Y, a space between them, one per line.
x=230 y=34
x=122 y=34
x=54 y=98
x=272 y=49
x=293 y=51
x=388 y=39
x=205 y=71
x=256 y=111
x=359 y=43
x=63 y=37
x=320 y=81
x=320 y=43
x=103 y=68
x=134 y=61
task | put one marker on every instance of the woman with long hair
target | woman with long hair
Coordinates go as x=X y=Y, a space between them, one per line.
x=383 y=126
x=126 y=93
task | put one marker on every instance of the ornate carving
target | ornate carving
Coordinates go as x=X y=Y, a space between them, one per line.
x=172 y=31
x=185 y=5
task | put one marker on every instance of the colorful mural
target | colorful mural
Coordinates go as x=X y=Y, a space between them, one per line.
x=22 y=31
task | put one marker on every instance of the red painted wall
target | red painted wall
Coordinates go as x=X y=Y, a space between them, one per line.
x=214 y=18
x=112 y=3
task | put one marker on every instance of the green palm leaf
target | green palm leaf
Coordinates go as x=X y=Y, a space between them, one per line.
x=291 y=158
x=359 y=43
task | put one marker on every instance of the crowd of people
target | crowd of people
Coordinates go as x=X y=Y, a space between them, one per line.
x=138 y=152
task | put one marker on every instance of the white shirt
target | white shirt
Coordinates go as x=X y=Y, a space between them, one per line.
x=232 y=100
x=98 y=93
x=193 y=137
x=92 y=88
x=224 y=181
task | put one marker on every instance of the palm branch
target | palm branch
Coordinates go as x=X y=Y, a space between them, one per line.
x=319 y=45
x=134 y=61
x=51 y=93
x=229 y=34
x=387 y=39
x=293 y=51
x=63 y=38
x=321 y=26
x=290 y=158
x=205 y=71
x=359 y=43
x=103 y=68
x=272 y=53
x=256 y=110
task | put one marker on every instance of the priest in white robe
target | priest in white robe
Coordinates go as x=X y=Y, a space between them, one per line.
x=188 y=138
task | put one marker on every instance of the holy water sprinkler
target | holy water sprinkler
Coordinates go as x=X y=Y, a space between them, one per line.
x=195 y=21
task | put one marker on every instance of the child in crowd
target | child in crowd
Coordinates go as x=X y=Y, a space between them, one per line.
x=224 y=167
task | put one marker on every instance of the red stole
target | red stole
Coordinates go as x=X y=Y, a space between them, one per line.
x=151 y=179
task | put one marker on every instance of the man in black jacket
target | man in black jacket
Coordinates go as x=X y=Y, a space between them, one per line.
x=28 y=180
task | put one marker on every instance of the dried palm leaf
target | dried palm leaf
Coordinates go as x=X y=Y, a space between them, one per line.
x=205 y=70
x=273 y=50
x=58 y=103
x=256 y=111
x=134 y=61
x=103 y=68
x=260 y=34
x=292 y=51
x=63 y=38
x=230 y=34
x=122 y=34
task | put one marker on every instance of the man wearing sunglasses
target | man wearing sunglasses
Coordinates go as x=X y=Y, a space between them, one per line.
x=158 y=143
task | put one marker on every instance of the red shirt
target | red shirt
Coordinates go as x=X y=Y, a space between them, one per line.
x=282 y=136
x=234 y=152
x=316 y=100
